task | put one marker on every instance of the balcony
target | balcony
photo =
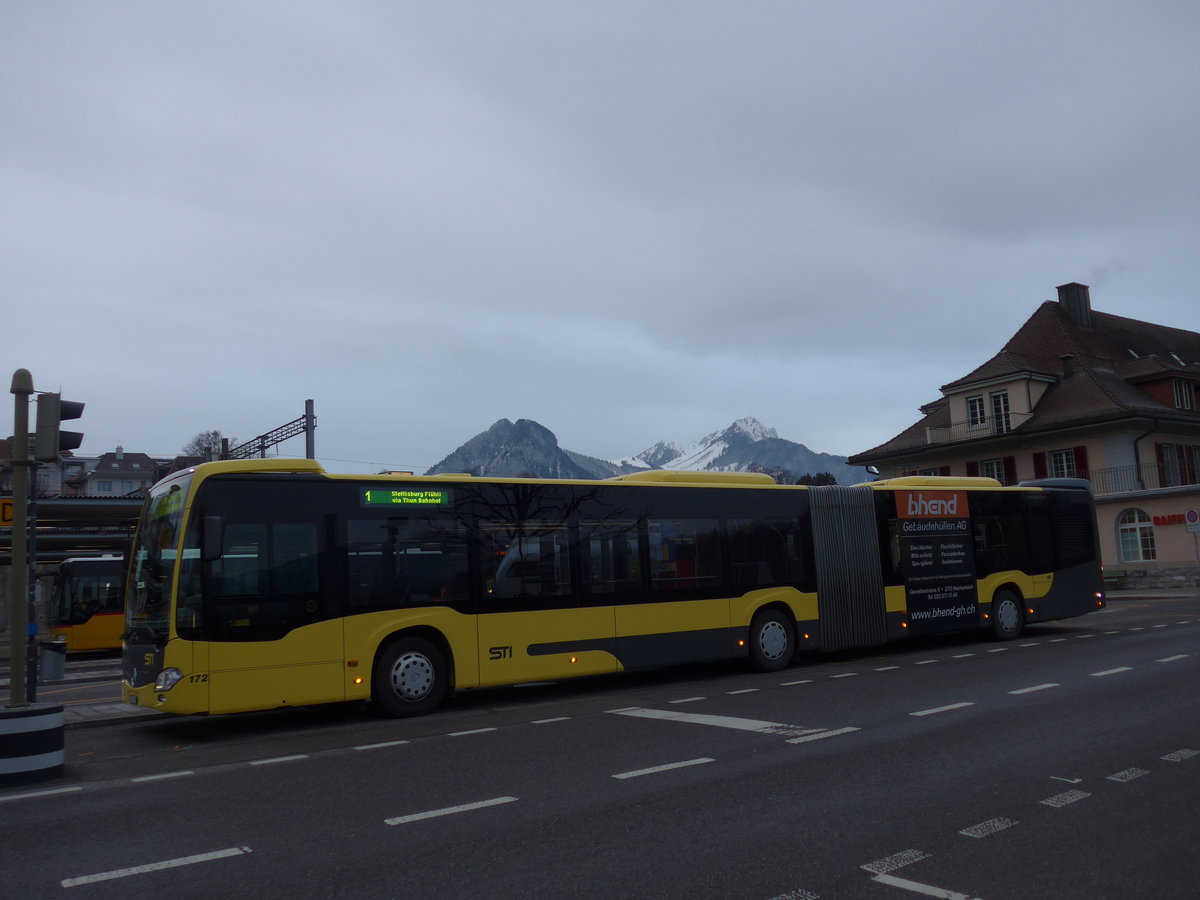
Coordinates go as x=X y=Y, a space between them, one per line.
x=991 y=426
x=1128 y=479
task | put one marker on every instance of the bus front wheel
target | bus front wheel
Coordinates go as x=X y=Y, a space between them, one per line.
x=1007 y=616
x=411 y=677
x=772 y=641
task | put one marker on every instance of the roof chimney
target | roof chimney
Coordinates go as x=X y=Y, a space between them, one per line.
x=1077 y=303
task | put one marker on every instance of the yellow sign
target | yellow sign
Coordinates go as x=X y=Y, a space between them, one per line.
x=6 y=512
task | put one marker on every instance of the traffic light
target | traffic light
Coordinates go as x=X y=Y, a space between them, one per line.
x=49 y=442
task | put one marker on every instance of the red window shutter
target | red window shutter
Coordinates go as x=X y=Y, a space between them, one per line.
x=973 y=469
x=1081 y=466
x=1010 y=470
x=1039 y=465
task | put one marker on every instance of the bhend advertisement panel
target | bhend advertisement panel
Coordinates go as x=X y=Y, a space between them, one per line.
x=937 y=555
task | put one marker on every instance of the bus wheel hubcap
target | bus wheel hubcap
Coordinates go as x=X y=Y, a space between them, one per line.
x=1008 y=615
x=412 y=676
x=773 y=640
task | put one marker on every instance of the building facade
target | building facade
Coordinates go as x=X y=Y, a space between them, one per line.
x=1083 y=394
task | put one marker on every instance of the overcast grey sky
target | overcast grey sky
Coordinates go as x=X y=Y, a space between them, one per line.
x=630 y=221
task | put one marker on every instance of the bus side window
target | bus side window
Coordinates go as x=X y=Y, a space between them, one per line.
x=764 y=553
x=401 y=561
x=685 y=554
x=611 y=559
x=528 y=561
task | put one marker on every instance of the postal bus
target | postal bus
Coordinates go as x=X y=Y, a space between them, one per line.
x=259 y=584
x=87 y=608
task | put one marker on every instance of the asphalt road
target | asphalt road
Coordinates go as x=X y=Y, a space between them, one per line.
x=1064 y=764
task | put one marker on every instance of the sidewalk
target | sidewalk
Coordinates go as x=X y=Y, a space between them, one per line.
x=79 y=714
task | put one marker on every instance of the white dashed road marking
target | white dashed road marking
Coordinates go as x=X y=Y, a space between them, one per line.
x=654 y=770
x=991 y=826
x=1064 y=799
x=155 y=867
x=820 y=735
x=449 y=811
x=916 y=887
x=1036 y=687
x=940 y=709
x=760 y=726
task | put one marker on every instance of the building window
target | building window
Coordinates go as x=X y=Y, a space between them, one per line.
x=1135 y=536
x=992 y=468
x=1000 y=423
x=1185 y=394
x=104 y=487
x=1061 y=463
x=976 y=413
x=1178 y=464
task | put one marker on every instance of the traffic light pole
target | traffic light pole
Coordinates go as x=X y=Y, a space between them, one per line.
x=18 y=605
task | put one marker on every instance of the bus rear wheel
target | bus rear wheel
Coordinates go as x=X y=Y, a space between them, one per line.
x=1008 y=618
x=772 y=641
x=411 y=677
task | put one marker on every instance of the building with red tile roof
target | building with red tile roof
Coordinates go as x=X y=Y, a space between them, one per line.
x=1080 y=393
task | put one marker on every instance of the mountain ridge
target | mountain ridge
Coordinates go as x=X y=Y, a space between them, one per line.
x=526 y=448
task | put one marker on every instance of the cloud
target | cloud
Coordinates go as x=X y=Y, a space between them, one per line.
x=631 y=221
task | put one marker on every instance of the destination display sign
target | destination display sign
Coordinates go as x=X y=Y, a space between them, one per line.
x=937 y=555
x=405 y=496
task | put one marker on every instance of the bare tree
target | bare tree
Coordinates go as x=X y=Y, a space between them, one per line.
x=206 y=444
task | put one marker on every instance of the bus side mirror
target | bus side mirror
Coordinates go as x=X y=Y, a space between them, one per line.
x=212 y=537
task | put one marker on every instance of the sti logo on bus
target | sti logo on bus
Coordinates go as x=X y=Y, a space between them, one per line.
x=931 y=504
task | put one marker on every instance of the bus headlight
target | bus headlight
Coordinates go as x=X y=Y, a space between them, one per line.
x=167 y=679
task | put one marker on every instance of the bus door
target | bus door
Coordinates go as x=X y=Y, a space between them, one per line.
x=534 y=623
x=274 y=638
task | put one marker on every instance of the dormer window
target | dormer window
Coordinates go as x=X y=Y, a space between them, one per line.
x=976 y=411
x=1185 y=394
x=1000 y=412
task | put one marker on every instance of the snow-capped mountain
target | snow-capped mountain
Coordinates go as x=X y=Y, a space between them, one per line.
x=527 y=448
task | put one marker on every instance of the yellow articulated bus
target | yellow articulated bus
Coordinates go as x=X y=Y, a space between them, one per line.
x=269 y=583
x=87 y=610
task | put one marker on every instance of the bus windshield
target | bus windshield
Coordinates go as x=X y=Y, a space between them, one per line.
x=84 y=588
x=154 y=552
